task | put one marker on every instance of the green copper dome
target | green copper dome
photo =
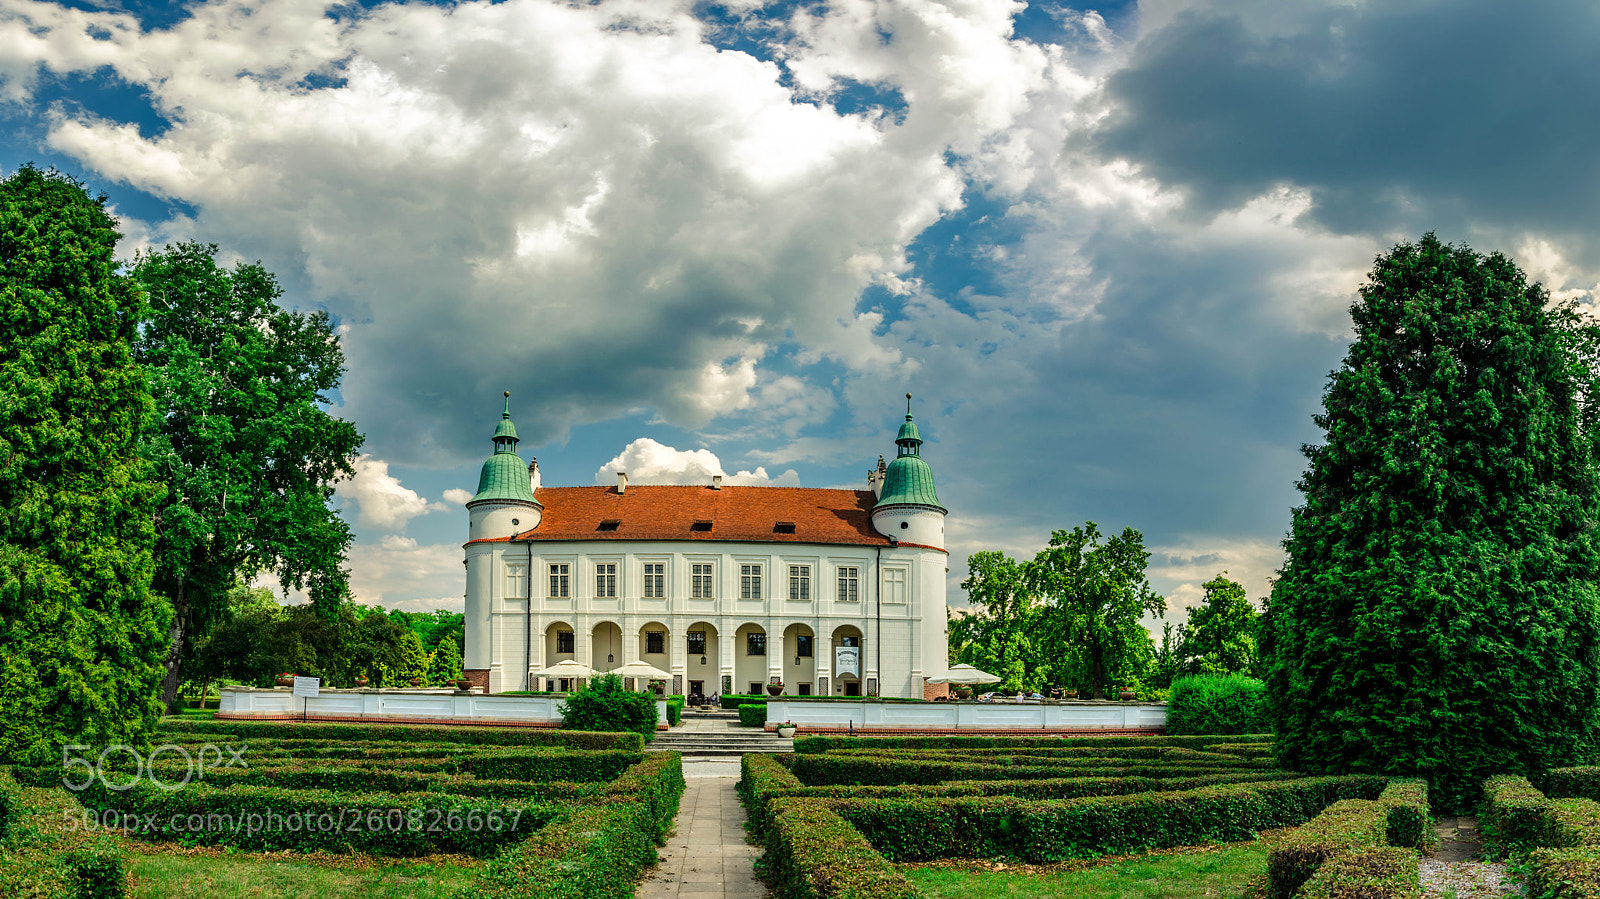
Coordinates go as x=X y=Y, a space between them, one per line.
x=909 y=479
x=504 y=475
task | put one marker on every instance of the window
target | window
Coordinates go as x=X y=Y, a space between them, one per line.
x=697 y=643
x=805 y=689
x=605 y=580
x=849 y=641
x=564 y=641
x=783 y=527
x=610 y=525
x=701 y=580
x=701 y=526
x=849 y=585
x=755 y=688
x=655 y=580
x=894 y=585
x=800 y=582
x=560 y=587
x=655 y=642
x=749 y=581
x=755 y=644
x=517 y=581
x=802 y=645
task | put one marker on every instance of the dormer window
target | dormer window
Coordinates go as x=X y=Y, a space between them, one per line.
x=610 y=525
x=701 y=526
x=783 y=527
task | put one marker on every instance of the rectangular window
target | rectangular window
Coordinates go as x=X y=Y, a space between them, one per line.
x=805 y=689
x=849 y=641
x=697 y=643
x=755 y=644
x=800 y=582
x=849 y=585
x=655 y=580
x=605 y=580
x=517 y=581
x=563 y=641
x=802 y=645
x=894 y=585
x=560 y=581
x=701 y=581
x=749 y=581
x=755 y=689
x=655 y=642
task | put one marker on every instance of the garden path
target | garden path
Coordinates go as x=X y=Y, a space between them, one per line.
x=706 y=857
x=1452 y=870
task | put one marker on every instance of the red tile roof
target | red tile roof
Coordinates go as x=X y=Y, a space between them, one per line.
x=744 y=514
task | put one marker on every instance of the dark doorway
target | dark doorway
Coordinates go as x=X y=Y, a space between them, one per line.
x=852 y=689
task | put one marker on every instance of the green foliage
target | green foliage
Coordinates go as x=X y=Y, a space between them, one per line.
x=1437 y=614
x=1563 y=874
x=99 y=872
x=1581 y=782
x=445 y=664
x=674 y=710
x=997 y=634
x=1218 y=704
x=1220 y=635
x=1350 y=824
x=812 y=853
x=81 y=631
x=407 y=733
x=255 y=644
x=806 y=745
x=1380 y=873
x=242 y=438
x=753 y=715
x=1405 y=805
x=1515 y=817
x=604 y=704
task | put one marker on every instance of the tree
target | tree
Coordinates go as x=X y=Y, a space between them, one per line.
x=1094 y=595
x=1437 y=615
x=996 y=635
x=241 y=439
x=80 y=629
x=445 y=666
x=1220 y=635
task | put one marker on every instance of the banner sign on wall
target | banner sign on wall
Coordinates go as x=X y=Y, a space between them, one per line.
x=847 y=660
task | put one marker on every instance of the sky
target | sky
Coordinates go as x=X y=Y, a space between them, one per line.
x=1109 y=248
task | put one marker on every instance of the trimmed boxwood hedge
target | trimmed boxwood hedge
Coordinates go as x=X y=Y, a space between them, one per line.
x=1564 y=873
x=820 y=744
x=410 y=733
x=1405 y=805
x=827 y=770
x=1571 y=783
x=813 y=853
x=1515 y=817
x=1344 y=826
x=1382 y=873
x=753 y=715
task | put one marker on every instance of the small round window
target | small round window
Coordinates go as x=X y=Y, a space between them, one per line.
x=515 y=521
x=904 y=525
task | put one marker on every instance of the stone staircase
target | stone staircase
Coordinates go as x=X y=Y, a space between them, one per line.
x=717 y=735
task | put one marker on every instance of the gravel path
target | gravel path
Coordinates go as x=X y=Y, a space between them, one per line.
x=1453 y=871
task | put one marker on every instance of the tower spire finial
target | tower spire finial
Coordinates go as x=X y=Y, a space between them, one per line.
x=507 y=414
x=908 y=407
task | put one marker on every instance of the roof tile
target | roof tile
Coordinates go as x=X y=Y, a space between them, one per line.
x=737 y=514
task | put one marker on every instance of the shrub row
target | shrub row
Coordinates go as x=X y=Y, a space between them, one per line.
x=268 y=818
x=1242 y=750
x=1571 y=783
x=41 y=858
x=357 y=778
x=817 y=745
x=813 y=853
x=10 y=806
x=1345 y=826
x=1382 y=873
x=751 y=715
x=731 y=701
x=917 y=829
x=1564 y=873
x=1094 y=756
x=825 y=770
x=411 y=733
x=1340 y=844
x=674 y=710
x=1515 y=816
x=595 y=851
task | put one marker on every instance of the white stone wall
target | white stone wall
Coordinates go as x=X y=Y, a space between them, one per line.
x=905 y=592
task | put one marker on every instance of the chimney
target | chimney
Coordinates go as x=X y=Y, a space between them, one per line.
x=716 y=482
x=533 y=473
x=622 y=482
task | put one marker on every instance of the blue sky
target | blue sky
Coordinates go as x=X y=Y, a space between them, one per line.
x=1110 y=248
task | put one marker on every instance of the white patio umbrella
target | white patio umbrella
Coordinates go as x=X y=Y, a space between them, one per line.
x=641 y=670
x=965 y=674
x=569 y=668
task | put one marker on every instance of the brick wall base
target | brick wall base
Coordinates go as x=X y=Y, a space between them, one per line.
x=931 y=692
x=479 y=677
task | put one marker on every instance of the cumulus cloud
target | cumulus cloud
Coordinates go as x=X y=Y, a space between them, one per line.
x=381 y=500
x=649 y=462
x=399 y=573
x=458 y=496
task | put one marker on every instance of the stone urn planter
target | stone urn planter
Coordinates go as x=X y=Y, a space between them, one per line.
x=963 y=693
x=463 y=685
x=1126 y=695
x=286 y=680
x=362 y=683
x=786 y=730
x=416 y=682
x=774 y=689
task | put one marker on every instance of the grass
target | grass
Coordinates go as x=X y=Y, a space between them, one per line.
x=1231 y=872
x=263 y=875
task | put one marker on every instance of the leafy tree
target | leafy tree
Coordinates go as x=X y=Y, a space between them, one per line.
x=80 y=629
x=445 y=664
x=997 y=634
x=1437 y=614
x=1094 y=595
x=605 y=705
x=1220 y=635
x=242 y=438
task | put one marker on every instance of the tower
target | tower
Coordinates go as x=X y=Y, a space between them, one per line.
x=503 y=507
x=908 y=509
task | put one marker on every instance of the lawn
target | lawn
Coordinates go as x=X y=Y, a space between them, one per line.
x=251 y=875
x=1208 y=874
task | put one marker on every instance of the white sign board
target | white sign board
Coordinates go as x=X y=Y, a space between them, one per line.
x=847 y=660
x=307 y=686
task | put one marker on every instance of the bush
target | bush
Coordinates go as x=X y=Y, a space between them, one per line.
x=1350 y=824
x=604 y=704
x=674 y=710
x=1564 y=874
x=1217 y=704
x=10 y=806
x=815 y=745
x=1384 y=873
x=99 y=872
x=753 y=715
x=1405 y=804
x=408 y=733
x=824 y=770
x=1568 y=783
x=812 y=853
x=1515 y=817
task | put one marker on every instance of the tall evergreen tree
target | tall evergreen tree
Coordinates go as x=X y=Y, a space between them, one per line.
x=80 y=631
x=242 y=439
x=1437 y=614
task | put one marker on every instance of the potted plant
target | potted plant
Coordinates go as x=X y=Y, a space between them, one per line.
x=786 y=729
x=416 y=682
x=463 y=685
x=1125 y=694
x=775 y=688
x=286 y=680
x=1072 y=694
x=362 y=682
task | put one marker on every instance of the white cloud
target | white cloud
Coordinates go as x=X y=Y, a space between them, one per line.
x=383 y=502
x=649 y=462
x=399 y=573
x=458 y=496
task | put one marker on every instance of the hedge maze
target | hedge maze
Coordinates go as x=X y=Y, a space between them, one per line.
x=1555 y=827
x=836 y=816
x=556 y=814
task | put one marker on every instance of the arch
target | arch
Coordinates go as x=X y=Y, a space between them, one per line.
x=799 y=660
x=750 y=669
x=702 y=663
x=846 y=683
x=605 y=641
x=662 y=658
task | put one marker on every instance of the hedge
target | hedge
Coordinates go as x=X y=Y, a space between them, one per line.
x=10 y=806
x=42 y=858
x=753 y=715
x=1065 y=753
x=826 y=770
x=674 y=711
x=410 y=733
x=1515 y=816
x=1382 y=873
x=594 y=851
x=819 y=744
x=1564 y=873
x=1217 y=704
x=1571 y=783
x=1405 y=805
x=917 y=829
x=1344 y=826
x=337 y=822
x=813 y=853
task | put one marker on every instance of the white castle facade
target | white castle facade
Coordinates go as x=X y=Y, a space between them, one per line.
x=831 y=592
